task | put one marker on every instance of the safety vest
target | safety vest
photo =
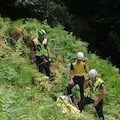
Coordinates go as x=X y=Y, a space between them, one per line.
x=94 y=89
x=40 y=49
x=78 y=68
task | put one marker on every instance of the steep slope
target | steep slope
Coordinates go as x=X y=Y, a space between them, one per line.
x=27 y=94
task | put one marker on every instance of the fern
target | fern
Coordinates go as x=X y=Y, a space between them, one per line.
x=21 y=97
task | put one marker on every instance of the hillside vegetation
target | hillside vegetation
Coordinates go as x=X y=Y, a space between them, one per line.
x=26 y=94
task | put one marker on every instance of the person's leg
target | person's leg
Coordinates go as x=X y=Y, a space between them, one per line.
x=99 y=109
x=81 y=92
x=39 y=62
x=80 y=83
x=41 y=68
x=69 y=89
x=84 y=102
x=47 y=69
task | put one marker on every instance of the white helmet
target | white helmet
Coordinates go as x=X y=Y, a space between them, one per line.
x=80 y=56
x=92 y=73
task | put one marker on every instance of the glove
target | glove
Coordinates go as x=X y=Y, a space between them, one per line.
x=32 y=61
x=49 y=59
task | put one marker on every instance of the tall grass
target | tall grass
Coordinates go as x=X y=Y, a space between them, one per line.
x=23 y=98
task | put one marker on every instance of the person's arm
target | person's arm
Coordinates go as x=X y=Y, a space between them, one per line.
x=86 y=66
x=71 y=79
x=102 y=91
x=49 y=56
x=48 y=51
x=85 y=85
x=70 y=75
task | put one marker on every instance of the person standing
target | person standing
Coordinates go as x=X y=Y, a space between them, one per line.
x=96 y=93
x=40 y=49
x=77 y=69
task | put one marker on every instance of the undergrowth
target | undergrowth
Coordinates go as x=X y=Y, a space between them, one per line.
x=26 y=94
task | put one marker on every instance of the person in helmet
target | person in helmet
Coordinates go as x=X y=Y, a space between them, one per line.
x=96 y=93
x=77 y=69
x=40 y=49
